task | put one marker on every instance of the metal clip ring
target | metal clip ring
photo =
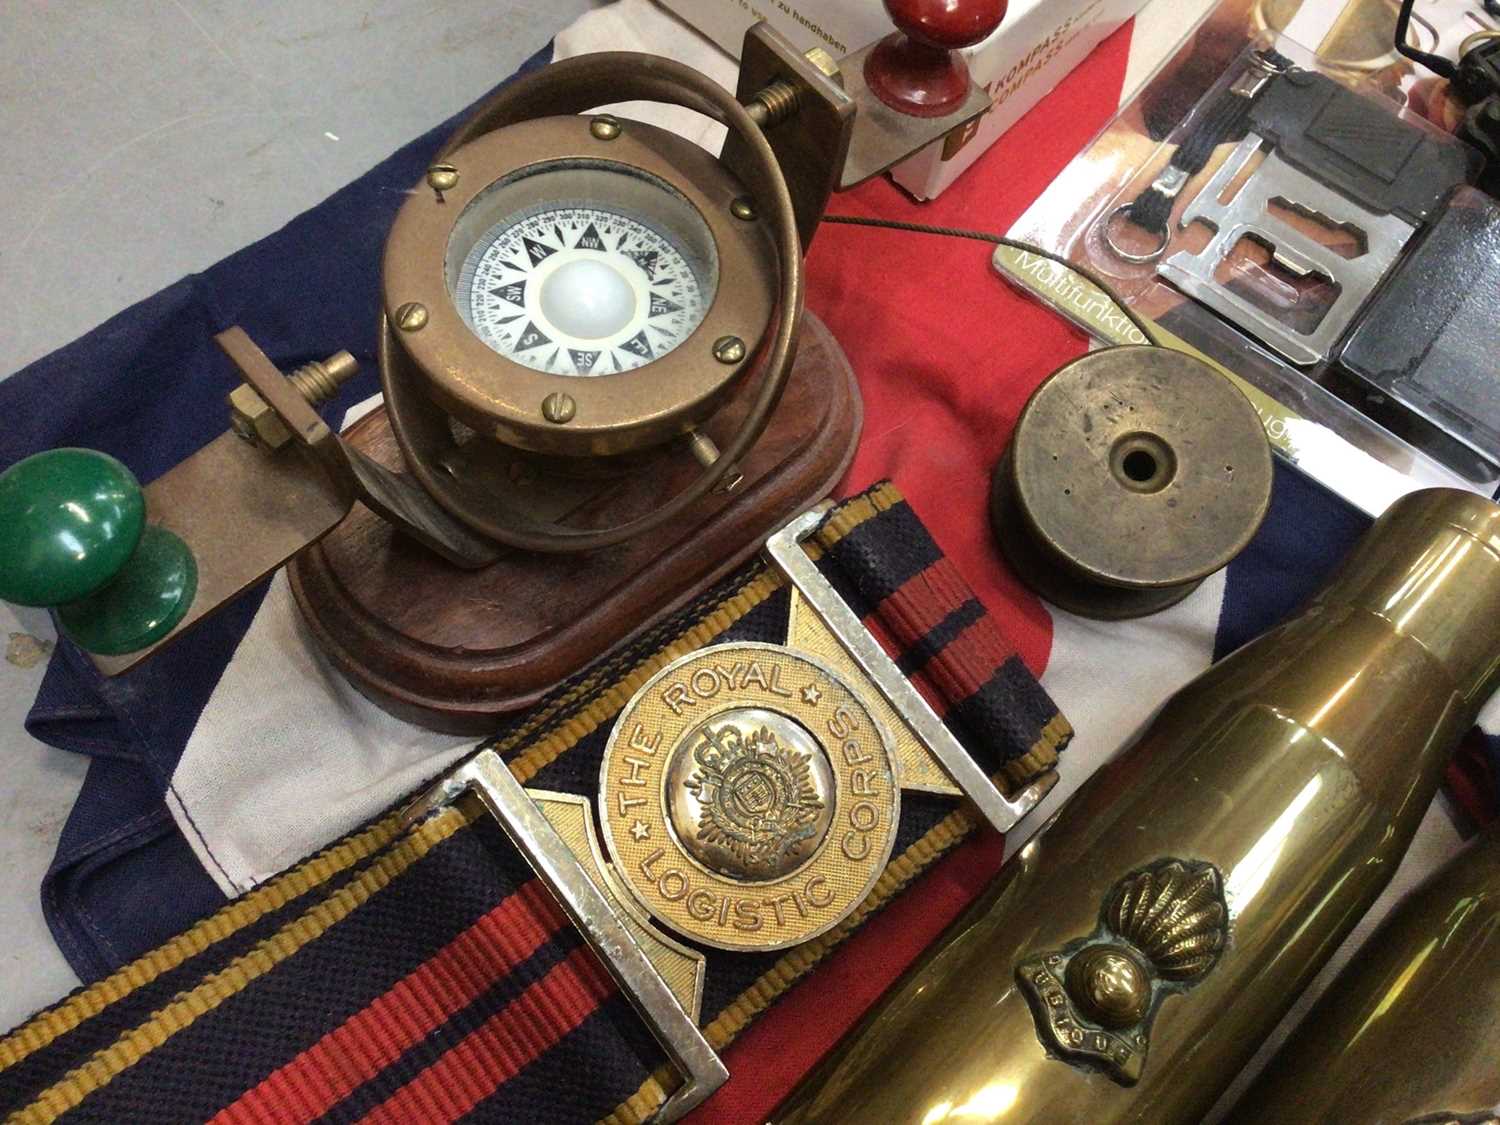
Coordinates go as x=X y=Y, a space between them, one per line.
x=1478 y=37
x=1126 y=255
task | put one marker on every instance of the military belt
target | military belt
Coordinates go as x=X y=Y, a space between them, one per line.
x=572 y=924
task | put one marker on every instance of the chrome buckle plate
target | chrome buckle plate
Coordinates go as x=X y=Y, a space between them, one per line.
x=487 y=775
x=784 y=549
x=605 y=927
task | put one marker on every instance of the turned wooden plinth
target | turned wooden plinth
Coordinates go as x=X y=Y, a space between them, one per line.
x=457 y=650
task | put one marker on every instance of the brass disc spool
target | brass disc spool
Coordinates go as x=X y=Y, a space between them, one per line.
x=1134 y=473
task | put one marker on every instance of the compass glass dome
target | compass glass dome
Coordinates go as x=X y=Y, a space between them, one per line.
x=582 y=268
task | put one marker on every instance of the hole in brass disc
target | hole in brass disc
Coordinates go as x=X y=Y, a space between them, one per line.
x=1139 y=465
x=1143 y=462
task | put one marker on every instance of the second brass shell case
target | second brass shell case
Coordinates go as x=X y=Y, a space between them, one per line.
x=1419 y=1005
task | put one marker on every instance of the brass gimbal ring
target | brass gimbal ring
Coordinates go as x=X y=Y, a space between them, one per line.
x=575 y=86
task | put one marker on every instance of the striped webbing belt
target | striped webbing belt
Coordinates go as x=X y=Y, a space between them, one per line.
x=424 y=972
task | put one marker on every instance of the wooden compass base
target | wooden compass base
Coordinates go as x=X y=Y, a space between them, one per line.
x=456 y=650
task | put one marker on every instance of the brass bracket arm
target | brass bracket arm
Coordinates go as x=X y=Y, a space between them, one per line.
x=828 y=129
x=395 y=497
x=244 y=504
x=800 y=105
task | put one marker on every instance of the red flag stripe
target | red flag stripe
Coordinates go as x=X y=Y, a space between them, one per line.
x=357 y=1050
x=499 y=1048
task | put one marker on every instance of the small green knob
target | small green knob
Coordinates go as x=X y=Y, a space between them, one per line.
x=73 y=535
x=142 y=605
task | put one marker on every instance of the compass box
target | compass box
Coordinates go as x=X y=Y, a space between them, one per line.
x=1036 y=45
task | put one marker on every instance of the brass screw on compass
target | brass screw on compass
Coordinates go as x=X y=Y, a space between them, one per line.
x=604 y=127
x=411 y=316
x=441 y=178
x=729 y=349
x=559 y=408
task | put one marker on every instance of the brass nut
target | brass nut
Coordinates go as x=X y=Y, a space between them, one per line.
x=825 y=62
x=253 y=419
x=411 y=317
x=441 y=178
x=729 y=349
x=743 y=208
x=604 y=127
x=559 y=408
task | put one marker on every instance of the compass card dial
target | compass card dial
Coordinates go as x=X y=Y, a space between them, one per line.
x=583 y=284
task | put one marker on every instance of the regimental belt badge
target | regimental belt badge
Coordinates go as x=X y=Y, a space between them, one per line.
x=749 y=797
x=749 y=793
x=757 y=797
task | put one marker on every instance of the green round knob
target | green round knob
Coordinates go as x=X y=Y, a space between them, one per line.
x=69 y=522
x=73 y=535
x=142 y=605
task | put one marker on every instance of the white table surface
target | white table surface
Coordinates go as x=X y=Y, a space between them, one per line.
x=147 y=140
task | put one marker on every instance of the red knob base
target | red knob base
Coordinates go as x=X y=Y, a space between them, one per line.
x=917 y=79
x=918 y=70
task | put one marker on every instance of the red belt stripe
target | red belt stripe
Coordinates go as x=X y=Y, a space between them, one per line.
x=495 y=1051
x=324 y=1074
x=962 y=666
x=922 y=602
x=888 y=640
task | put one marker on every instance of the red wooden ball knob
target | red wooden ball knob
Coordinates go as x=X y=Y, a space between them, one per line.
x=918 y=70
x=947 y=24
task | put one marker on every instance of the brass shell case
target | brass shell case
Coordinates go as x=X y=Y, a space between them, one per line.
x=1419 y=1006
x=1298 y=769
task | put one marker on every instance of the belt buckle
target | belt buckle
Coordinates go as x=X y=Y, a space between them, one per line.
x=816 y=593
x=613 y=909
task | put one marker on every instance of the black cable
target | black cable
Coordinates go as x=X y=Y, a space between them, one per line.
x=1226 y=117
x=1142 y=325
x=1440 y=66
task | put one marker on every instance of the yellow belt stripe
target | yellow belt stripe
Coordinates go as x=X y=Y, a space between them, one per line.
x=271 y=896
x=186 y=1007
x=851 y=513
